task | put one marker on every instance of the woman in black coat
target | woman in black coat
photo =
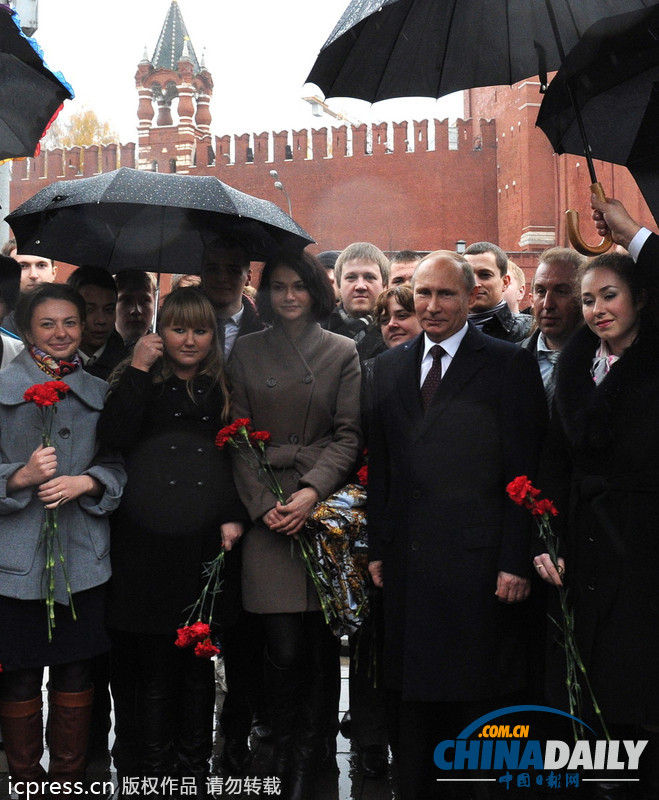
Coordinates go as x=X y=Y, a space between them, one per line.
x=601 y=467
x=180 y=507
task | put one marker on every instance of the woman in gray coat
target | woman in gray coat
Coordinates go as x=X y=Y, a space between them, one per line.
x=302 y=384
x=85 y=486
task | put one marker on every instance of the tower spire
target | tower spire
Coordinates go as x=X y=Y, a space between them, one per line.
x=173 y=41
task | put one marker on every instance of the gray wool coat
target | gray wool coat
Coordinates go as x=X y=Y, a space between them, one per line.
x=306 y=394
x=84 y=529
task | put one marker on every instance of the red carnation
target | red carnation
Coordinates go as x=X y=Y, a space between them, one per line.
x=206 y=649
x=260 y=436
x=522 y=491
x=362 y=475
x=46 y=394
x=184 y=639
x=191 y=634
x=223 y=437
x=543 y=506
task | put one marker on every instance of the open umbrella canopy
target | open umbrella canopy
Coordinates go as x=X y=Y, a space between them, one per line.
x=382 y=49
x=161 y=222
x=30 y=94
x=612 y=78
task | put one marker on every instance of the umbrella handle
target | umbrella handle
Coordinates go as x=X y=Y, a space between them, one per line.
x=575 y=236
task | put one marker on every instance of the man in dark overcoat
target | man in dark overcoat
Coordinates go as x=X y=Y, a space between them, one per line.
x=225 y=272
x=449 y=548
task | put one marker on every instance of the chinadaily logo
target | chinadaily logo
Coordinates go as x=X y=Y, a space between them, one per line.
x=510 y=746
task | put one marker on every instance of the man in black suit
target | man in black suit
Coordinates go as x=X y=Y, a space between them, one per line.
x=488 y=310
x=225 y=271
x=101 y=348
x=450 y=550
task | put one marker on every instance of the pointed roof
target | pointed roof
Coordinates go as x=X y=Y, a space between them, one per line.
x=173 y=41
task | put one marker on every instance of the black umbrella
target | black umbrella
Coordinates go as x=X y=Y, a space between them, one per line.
x=30 y=94
x=612 y=78
x=161 y=222
x=381 y=49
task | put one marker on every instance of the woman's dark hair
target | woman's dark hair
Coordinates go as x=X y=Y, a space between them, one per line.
x=29 y=301
x=623 y=266
x=314 y=276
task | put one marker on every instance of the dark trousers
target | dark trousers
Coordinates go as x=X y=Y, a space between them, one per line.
x=164 y=700
x=243 y=648
x=367 y=695
x=418 y=728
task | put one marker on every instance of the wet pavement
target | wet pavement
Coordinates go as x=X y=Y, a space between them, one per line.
x=338 y=781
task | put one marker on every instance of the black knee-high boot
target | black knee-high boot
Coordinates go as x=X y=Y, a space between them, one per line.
x=308 y=744
x=284 y=693
x=316 y=702
x=195 y=722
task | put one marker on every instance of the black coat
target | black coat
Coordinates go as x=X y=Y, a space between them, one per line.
x=115 y=352
x=601 y=467
x=180 y=489
x=369 y=345
x=440 y=520
x=508 y=326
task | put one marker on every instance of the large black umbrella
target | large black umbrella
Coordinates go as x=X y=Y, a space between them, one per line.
x=612 y=78
x=161 y=222
x=30 y=94
x=381 y=49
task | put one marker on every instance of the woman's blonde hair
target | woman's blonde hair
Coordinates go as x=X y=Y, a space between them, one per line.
x=189 y=308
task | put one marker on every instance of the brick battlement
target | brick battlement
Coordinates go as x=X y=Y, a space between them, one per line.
x=422 y=185
x=345 y=141
x=396 y=184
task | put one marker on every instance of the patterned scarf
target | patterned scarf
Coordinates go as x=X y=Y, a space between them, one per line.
x=358 y=326
x=602 y=363
x=55 y=367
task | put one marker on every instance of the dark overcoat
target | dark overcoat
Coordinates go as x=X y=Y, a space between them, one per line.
x=306 y=394
x=440 y=519
x=180 y=490
x=601 y=467
x=115 y=352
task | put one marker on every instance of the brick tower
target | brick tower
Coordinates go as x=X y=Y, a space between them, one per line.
x=181 y=88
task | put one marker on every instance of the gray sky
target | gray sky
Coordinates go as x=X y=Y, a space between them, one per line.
x=259 y=54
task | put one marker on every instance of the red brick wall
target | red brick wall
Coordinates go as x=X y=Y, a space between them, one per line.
x=503 y=183
x=425 y=199
x=535 y=186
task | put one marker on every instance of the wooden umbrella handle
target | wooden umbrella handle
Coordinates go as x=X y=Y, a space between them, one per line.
x=575 y=236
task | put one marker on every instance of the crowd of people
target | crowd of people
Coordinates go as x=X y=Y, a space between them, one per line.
x=422 y=361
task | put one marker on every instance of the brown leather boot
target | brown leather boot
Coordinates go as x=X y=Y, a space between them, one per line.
x=70 y=716
x=22 y=730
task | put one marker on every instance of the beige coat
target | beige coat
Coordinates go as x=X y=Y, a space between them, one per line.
x=306 y=394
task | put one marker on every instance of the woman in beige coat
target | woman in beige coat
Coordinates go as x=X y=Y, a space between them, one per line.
x=300 y=383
